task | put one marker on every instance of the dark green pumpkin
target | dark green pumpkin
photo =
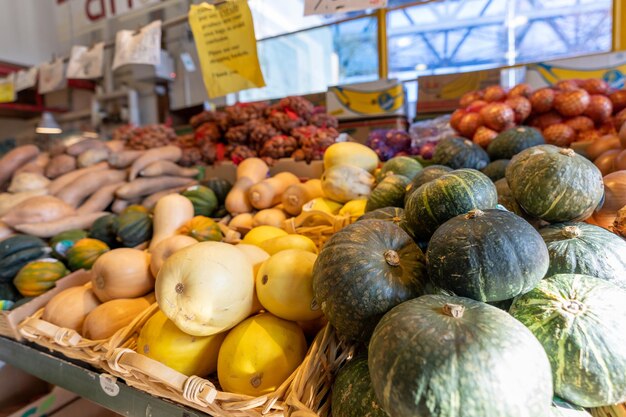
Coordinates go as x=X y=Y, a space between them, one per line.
x=105 y=230
x=401 y=165
x=62 y=242
x=459 y=153
x=220 y=187
x=388 y=193
x=490 y=255
x=426 y=175
x=362 y=272
x=203 y=199
x=9 y=292
x=506 y=199
x=389 y=214
x=452 y=194
x=579 y=320
x=352 y=392
x=442 y=356
x=496 y=170
x=555 y=184
x=581 y=248
x=513 y=141
x=18 y=250
x=134 y=227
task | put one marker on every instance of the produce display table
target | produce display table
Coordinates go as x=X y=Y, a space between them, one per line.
x=86 y=383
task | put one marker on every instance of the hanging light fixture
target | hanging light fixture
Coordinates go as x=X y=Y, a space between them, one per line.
x=47 y=125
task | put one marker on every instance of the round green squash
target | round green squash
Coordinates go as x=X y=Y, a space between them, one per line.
x=513 y=141
x=105 y=230
x=582 y=248
x=426 y=175
x=220 y=187
x=443 y=356
x=401 y=165
x=352 y=392
x=37 y=277
x=561 y=408
x=203 y=199
x=459 y=153
x=84 y=253
x=18 y=250
x=555 y=184
x=490 y=255
x=496 y=170
x=62 y=242
x=579 y=320
x=389 y=214
x=506 y=200
x=362 y=272
x=388 y=193
x=450 y=195
x=134 y=227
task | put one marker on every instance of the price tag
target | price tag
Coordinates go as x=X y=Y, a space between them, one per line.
x=7 y=89
x=187 y=61
x=86 y=63
x=51 y=76
x=108 y=383
x=340 y=6
x=226 y=46
x=25 y=79
x=142 y=47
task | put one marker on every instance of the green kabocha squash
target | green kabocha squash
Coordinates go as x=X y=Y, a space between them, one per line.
x=220 y=187
x=496 y=170
x=506 y=200
x=579 y=320
x=426 y=175
x=202 y=229
x=441 y=199
x=389 y=214
x=352 y=392
x=105 y=230
x=18 y=250
x=401 y=165
x=513 y=141
x=388 y=193
x=581 y=248
x=561 y=408
x=443 y=356
x=363 y=271
x=37 y=277
x=62 y=242
x=84 y=253
x=203 y=199
x=555 y=184
x=490 y=255
x=8 y=292
x=459 y=153
x=134 y=227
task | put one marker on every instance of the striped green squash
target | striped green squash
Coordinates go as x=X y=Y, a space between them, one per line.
x=513 y=141
x=437 y=201
x=426 y=175
x=443 y=356
x=460 y=153
x=581 y=323
x=496 y=170
x=401 y=165
x=388 y=193
x=581 y=248
x=352 y=392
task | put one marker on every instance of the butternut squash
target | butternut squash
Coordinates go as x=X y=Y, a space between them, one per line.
x=254 y=168
x=164 y=153
x=269 y=192
x=59 y=183
x=59 y=165
x=297 y=195
x=14 y=159
x=269 y=217
x=242 y=223
x=81 y=188
x=122 y=273
x=39 y=209
x=49 y=229
x=150 y=201
x=141 y=187
x=100 y=200
x=106 y=319
x=69 y=308
x=170 y=213
x=237 y=198
x=159 y=168
x=124 y=159
x=166 y=248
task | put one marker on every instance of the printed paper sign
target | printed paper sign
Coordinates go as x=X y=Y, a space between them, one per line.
x=340 y=6
x=86 y=63
x=138 y=47
x=7 y=89
x=52 y=76
x=226 y=46
x=25 y=79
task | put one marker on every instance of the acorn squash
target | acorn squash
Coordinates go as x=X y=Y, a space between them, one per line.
x=220 y=187
x=202 y=229
x=84 y=253
x=62 y=242
x=37 y=277
x=18 y=250
x=134 y=226
x=105 y=230
x=203 y=199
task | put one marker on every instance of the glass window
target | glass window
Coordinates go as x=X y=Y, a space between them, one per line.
x=310 y=61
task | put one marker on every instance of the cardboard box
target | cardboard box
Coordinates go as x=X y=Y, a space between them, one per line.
x=376 y=98
x=360 y=130
x=48 y=404
x=611 y=67
x=18 y=388
x=84 y=408
x=441 y=93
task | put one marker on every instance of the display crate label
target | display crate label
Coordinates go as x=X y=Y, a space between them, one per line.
x=108 y=383
x=7 y=89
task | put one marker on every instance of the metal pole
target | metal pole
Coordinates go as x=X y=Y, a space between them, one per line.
x=383 y=54
x=619 y=20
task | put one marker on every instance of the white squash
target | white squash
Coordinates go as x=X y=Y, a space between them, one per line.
x=350 y=153
x=170 y=213
x=206 y=288
x=347 y=182
x=166 y=248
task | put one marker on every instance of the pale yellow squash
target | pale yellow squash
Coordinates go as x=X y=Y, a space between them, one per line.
x=256 y=256
x=280 y=243
x=122 y=273
x=106 y=319
x=165 y=248
x=350 y=153
x=69 y=308
x=262 y=233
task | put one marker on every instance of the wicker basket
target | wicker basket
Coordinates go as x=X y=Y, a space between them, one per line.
x=71 y=344
x=611 y=411
x=319 y=234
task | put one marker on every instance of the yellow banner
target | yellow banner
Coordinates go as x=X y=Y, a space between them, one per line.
x=226 y=46
x=7 y=90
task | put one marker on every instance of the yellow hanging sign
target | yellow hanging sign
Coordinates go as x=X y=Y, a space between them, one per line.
x=226 y=46
x=7 y=89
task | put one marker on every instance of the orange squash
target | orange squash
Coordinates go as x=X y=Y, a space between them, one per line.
x=69 y=308
x=106 y=319
x=122 y=273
